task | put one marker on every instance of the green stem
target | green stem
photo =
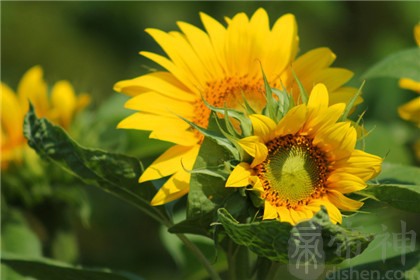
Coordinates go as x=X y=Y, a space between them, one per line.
x=238 y=262
x=274 y=269
x=204 y=261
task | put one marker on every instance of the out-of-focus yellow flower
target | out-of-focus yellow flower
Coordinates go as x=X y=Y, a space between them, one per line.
x=411 y=110
x=305 y=161
x=223 y=66
x=60 y=108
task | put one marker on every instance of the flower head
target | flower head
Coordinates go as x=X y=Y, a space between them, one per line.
x=222 y=66
x=306 y=160
x=411 y=110
x=60 y=108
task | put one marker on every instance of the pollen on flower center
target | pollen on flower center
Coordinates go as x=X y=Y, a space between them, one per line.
x=229 y=92
x=294 y=172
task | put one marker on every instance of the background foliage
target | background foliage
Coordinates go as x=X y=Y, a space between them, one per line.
x=95 y=44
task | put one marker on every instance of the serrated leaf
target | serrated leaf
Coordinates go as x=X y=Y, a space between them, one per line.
x=403 y=64
x=270 y=239
x=46 y=269
x=114 y=173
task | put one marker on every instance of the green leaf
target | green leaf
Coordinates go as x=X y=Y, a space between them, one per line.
x=114 y=173
x=404 y=197
x=399 y=174
x=46 y=269
x=207 y=192
x=351 y=103
x=391 y=268
x=303 y=94
x=271 y=239
x=404 y=64
x=398 y=185
x=219 y=138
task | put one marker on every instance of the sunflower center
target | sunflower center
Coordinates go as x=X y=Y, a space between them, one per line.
x=229 y=92
x=294 y=172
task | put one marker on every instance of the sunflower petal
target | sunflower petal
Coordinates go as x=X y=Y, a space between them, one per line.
x=345 y=182
x=292 y=122
x=146 y=121
x=63 y=102
x=270 y=212
x=240 y=176
x=284 y=215
x=263 y=126
x=254 y=148
x=33 y=87
x=177 y=186
x=343 y=202
x=170 y=162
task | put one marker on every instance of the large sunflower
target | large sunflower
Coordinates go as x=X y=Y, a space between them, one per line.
x=223 y=66
x=306 y=160
x=60 y=108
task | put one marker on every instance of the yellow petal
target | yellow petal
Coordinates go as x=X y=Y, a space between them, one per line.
x=263 y=126
x=417 y=33
x=411 y=111
x=343 y=202
x=292 y=122
x=145 y=121
x=176 y=187
x=217 y=34
x=284 y=215
x=170 y=162
x=175 y=135
x=361 y=164
x=176 y=71
x=338 y=140
x=313 y=61
x=333 y=78
x=333 y=212
x=270 y=212
x=345 y=182
x=298 y=216
x=11 y=115
x=254 y=148
x=63 y=103
x=33 y=87
x=180 y=54
x=240 y=176
x=326 y=118
x=202 y=46
x=410 y=84
x=152 y=102
x=161 y=82
x=283 y=45
x=318 y=99
x=256 y=183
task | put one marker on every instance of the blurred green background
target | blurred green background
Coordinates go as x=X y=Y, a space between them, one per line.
x=95 y=44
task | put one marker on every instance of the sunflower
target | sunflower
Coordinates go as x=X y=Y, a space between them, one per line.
x=306 y=160
x=411 y=110
x=223 y=66
x=60 y=108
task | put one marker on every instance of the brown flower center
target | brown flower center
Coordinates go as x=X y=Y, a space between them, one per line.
x=294 y=172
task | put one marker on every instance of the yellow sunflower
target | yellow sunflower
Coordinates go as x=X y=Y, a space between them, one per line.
x=60 y=108
x=411 y=110
x=223 y=66
x=306 y=160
